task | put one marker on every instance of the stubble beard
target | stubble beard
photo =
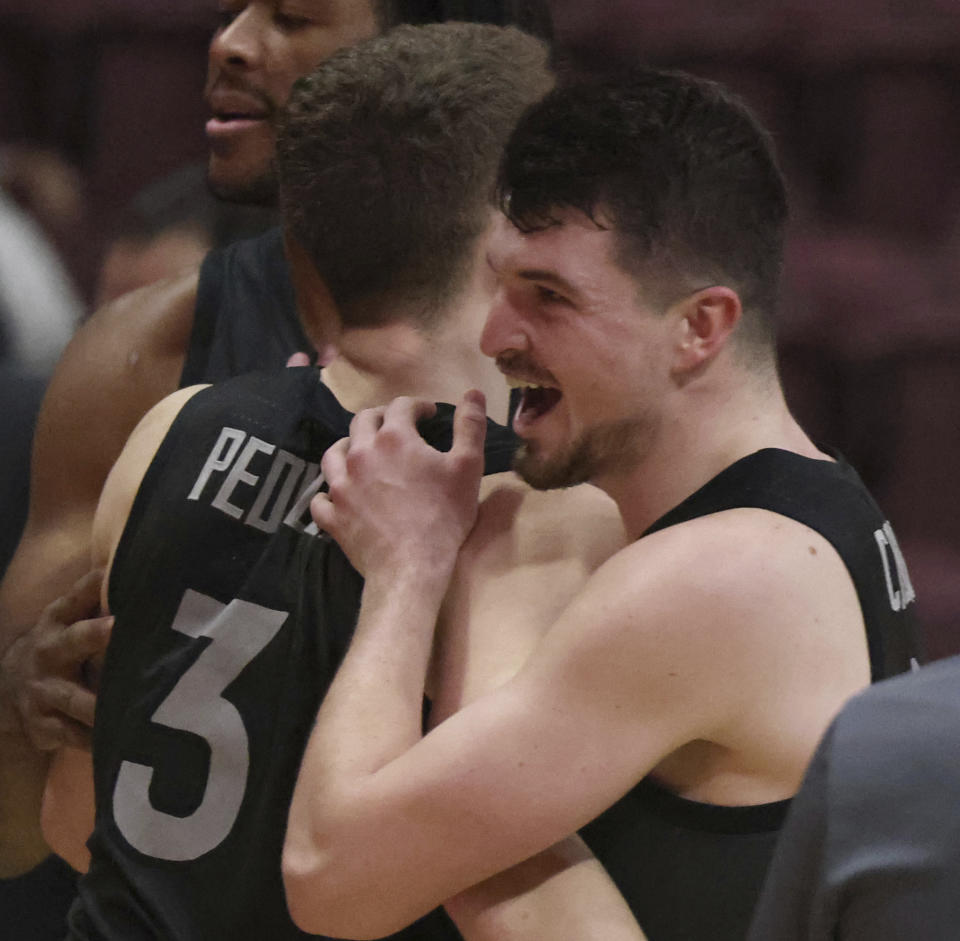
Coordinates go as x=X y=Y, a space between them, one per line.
x=599 y=452
x=261 y=190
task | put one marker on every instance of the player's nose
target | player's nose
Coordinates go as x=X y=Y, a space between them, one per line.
x=239 y=41
x=503 y=329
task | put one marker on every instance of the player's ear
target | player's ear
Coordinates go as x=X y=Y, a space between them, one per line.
x=705 y=321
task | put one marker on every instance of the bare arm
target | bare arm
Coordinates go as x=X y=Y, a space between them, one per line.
x=68 y=806
x=515 y=575
x=384 y=824
x=57 y=646
x=526 y=557
x=68 y=800
x=506 y=777
x=120 y=363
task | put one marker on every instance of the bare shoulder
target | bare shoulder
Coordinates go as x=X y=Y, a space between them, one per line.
x=126 y=475
x=127 y=357
x=518 y=524
x=756 y=576
x=136 y=343
x=525 y=560
x=748 y=617
x=159 y=313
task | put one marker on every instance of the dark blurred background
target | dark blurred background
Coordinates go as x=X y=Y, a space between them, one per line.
x=101 y=98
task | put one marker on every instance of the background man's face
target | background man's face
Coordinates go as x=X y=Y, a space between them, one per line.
x=261 y=48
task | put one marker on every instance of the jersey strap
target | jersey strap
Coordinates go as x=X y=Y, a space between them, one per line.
x=830 y=498
x=246 y=313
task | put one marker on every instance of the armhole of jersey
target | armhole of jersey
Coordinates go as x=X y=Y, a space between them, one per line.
x=793 y=486
x=267 y=390
x=205 y=316
x=154 y=468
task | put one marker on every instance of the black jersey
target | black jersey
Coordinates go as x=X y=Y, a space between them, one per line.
x=692 y=870
x=246 y=313
x=232 y=615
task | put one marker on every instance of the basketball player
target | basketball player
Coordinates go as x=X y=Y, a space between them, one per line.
x=236 y=314
x=231 y=612
x=672 y=707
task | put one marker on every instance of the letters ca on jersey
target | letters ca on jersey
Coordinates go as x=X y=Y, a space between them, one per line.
x=258 y=483
x=899 y=589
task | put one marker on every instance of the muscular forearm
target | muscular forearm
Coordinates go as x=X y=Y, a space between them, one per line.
x=44 y=567
x=371 y=714
x=42 y=701
x=405 y=543
x=22 y=773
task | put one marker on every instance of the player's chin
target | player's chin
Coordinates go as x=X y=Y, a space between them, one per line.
x=535 y=467
x=240 y=177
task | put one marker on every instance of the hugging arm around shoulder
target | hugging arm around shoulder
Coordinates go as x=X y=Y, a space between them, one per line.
x=506 y=777
x=593 y=710
x=68 y=801
x=122 y=361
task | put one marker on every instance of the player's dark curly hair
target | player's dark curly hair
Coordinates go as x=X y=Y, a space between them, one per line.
x=388 y=156
x=679 y=168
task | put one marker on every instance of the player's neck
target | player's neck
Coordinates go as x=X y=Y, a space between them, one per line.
x=709 y=429
x=374 y=365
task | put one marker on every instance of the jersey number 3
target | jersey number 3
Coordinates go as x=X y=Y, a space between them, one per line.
x=238 y=631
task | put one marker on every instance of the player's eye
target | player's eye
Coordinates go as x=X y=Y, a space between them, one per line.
x=290 y=23
x=549 y=296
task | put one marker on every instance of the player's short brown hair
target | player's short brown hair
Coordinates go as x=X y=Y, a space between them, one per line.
x=388 y=155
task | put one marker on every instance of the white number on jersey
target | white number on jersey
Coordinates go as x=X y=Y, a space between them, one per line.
x=887 y=541
x=238 y=631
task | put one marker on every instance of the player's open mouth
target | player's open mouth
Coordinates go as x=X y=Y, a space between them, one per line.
x=535 y=402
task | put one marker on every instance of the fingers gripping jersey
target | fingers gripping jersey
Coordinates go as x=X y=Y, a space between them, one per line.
x=232 y=615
